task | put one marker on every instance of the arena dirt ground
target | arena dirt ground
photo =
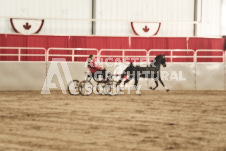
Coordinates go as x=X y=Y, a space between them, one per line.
x=154 y=121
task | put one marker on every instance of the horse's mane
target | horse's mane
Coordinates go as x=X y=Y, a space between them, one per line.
x=156 y=58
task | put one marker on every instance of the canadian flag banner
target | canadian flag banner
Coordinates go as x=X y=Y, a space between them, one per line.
x=146 y=29
x=26 y=26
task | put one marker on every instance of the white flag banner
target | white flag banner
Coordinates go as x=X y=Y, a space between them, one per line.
x=26 y=26
x=146 y=29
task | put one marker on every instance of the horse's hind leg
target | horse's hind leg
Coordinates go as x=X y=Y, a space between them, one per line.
x=122 y=77
x=156 y=82
x=163 y=84
x=126 y=81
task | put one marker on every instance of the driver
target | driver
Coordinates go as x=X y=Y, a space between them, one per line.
x=93 y=67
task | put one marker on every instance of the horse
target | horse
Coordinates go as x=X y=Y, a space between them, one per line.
x=151 y=71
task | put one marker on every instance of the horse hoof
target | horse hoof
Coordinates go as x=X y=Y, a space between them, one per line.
x=167 y=90
x=138 y=93
x=150 y=88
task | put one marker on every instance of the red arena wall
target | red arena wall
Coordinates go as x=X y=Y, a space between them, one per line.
x=102 y=42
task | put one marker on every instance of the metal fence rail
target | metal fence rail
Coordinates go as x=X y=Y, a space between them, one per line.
x=123 y=55
x=171 y=54
x=222 y=56
x=19 y=54
x=72 y=55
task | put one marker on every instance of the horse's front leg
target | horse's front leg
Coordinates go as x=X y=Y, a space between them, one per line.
x=163 y=84
x=135 y=85
x=156 y=82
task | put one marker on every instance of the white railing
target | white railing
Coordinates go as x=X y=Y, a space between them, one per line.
x=123 y=56
x=197 y=56
x=19 y=54
x=73 y=55
x=54 y=52
x=171 y=56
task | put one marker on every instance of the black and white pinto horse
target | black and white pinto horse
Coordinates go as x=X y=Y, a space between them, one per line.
x=152 y=71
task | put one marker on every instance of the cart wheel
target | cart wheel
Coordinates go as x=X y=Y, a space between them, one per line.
x=100 y=88
x=73 y=87
x=85 y=88
x=112 y=88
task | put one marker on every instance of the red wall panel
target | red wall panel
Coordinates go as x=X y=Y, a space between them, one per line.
x=158 y=43
x=101 y=42
x=206 y=43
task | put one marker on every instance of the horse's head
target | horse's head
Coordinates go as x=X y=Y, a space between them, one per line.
x=159 y=60
x=163 y=60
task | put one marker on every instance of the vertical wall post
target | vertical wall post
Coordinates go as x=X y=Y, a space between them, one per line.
x=73 y=55
x=195 y=16
x=93 y=17
x=19 y=54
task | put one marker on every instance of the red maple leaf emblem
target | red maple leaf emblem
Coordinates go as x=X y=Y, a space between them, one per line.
x=146 y=29
x=27 y=26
